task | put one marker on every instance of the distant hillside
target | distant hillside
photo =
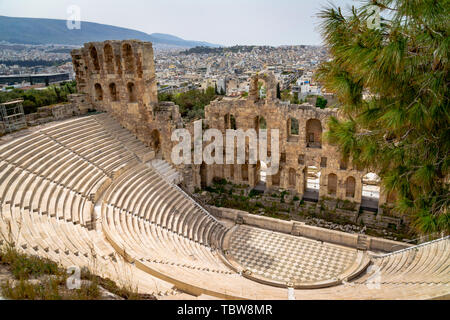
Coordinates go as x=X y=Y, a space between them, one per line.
x=51 y=31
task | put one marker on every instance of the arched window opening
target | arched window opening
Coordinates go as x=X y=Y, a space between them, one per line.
x=312 y=183
x=292 y=130
x=350 y=186
x=370 y=192
x=262 y=123
x=233 y=125
x=128 y=58
x=226 y=121
x=109 y=58
x=98 y=92
x=314 y=133
x=94 y=58
x=155 y=141
x=131 y=92
x=113 y=92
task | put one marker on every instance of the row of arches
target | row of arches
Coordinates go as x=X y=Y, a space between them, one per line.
x=313 y=185
x=350 y=186
x=113 y=93
x=111 y=63
x=230 y=122
x=314 y=129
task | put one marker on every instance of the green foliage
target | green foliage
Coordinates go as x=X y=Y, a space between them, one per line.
x=220 y=181
x=24 y=290
x=253 y=193
x=24 y=267
x=295 y=127
x=321 y=103
x=286 y=95
x=401 y=129
x=192 y=103
x=126 y=292
x=295 y=99
x=34 y=99
x=49 y=280
x=278 y=91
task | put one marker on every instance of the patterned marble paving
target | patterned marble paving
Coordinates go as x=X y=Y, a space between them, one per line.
x=285 y=258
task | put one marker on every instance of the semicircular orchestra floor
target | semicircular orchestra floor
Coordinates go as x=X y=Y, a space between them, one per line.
x=283 y=258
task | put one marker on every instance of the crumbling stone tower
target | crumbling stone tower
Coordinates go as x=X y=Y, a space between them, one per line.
x=119 y=77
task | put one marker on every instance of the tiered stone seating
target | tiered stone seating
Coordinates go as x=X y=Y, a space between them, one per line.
x=428 y=264
x=91 y=142
x=141 y=217
x=58 y=181
x=165 y=169
x=47 y=180
x=154 y=221
x=128 y=141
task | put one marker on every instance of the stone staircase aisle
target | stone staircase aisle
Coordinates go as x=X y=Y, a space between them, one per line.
x=164 y=168
x=363 y=242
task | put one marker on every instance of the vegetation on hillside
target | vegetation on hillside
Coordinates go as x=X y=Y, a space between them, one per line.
x=321 y=102
x=35 y=278
x=34 y=99
x=55 y=31
x=401 y=129
x=192 y=103
x=286 y=95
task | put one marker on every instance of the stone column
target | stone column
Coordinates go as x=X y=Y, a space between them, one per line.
x=268 y=181
x=238 y=172
x=358 y=190
x=300 y=182
x=341 y=188
x=284 y=178
x=382 y=201
x=252 y=175
x=323 y=185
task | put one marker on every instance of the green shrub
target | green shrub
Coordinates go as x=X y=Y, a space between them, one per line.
x=24 y=267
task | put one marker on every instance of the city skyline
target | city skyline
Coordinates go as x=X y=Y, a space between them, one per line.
x=260 y=22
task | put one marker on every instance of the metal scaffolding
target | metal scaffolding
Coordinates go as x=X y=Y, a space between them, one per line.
x=12 y=116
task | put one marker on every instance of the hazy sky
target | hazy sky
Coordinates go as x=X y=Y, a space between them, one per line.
x=226 y=22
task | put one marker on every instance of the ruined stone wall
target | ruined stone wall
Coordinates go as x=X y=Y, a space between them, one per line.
x=119 y=77
x=299 y=149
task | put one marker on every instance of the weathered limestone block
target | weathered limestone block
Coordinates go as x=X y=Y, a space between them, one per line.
x=119 y=77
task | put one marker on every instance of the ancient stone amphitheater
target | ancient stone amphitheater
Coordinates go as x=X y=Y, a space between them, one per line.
x=87 y=192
